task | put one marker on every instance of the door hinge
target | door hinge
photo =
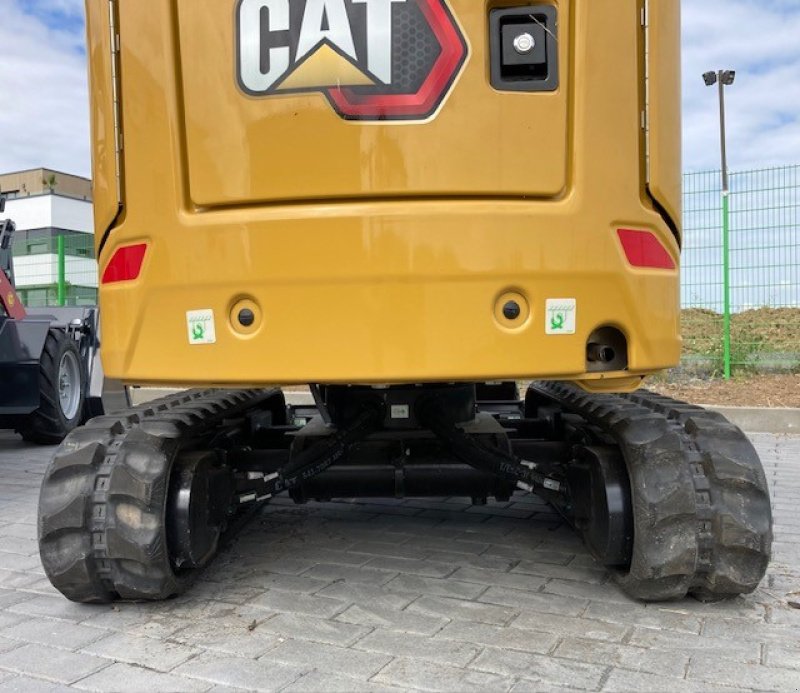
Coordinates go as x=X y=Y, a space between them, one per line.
x=116 y=91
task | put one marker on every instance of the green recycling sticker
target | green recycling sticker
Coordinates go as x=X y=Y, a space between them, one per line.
x=200 y=325
x=560 y=316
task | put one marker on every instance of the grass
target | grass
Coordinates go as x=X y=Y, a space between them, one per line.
x=761 y=338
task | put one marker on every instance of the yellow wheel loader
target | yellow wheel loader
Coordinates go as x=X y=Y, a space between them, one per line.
x=410 y=206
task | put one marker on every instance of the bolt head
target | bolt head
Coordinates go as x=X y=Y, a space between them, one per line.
x=524 y=43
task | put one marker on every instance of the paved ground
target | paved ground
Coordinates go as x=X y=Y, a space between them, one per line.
x=431 y=595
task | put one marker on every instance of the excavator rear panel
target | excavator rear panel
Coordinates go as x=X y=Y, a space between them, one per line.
x=386 y=191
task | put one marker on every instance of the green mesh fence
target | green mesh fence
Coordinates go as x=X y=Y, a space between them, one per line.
x=764 y=271
x=53 y=271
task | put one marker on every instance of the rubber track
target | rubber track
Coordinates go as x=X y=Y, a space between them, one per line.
x=702 y=515
x=102 y=505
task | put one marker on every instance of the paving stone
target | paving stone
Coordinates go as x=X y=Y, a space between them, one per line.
x=328 y=658
x=539 y=668
x=418 y=647
x=275 y=600
x=24 y=564
x=20 y=531
x=666 y=663
x=786 y=657
x=626 y=681
x=466 y=560
x=763 y=632
x=316 y=629
x=59 y=634
x=645 y=615
x=442 y=588
x=431 y=676
x=259 y=581
x=512 y=638
x=715 y=670
x=545 y=603
x=496 y=578
x=370 y=576
x=436 y=544
x=740 y=608
x=59 y=666
x=569 y=572
x=529 y=686
x=281 y=564
x=25 y=684
x=463 y=610
x=9 y=597
x=135 y=622
x=412 y=566
x=571 y=589
x=240 y=640
x=392 y=619
x=55 y=607
x=124 y=678
x=318 y=555
x=15 y=579
x=742 y=650
x=239 y=672
x=570 y=625
x=368 y=596
x=388 y=550
x=316 y=681
x=24 y=547
x=8 y=619
x=146 y=652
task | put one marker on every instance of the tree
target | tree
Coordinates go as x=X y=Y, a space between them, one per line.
x=50 y=182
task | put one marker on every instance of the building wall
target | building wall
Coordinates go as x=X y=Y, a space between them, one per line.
x=41 y=216
x=50 y=210
x=36 y=182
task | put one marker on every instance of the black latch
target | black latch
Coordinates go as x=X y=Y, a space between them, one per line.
x=523 y=44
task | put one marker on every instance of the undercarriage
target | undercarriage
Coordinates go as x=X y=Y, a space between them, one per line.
x=669 y=497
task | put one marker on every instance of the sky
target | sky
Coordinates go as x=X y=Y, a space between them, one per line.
x=44 y=104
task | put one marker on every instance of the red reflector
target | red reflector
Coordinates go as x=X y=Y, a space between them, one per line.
x=643 y=249
x=125 y=263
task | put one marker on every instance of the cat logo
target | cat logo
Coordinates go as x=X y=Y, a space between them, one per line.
x=373 y=59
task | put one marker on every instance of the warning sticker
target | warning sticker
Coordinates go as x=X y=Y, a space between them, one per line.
x=560 y=316
x=200 y=324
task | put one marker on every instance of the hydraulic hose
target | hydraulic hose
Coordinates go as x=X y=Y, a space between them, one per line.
x=433 y=414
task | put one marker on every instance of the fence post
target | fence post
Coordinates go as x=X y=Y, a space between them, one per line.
x=62 y=278
x=726 y=285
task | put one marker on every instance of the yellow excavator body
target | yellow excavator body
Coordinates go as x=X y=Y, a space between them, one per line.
x=386 y=191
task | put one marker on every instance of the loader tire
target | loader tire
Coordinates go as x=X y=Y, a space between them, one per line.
x=62 y=391
x=701 y=508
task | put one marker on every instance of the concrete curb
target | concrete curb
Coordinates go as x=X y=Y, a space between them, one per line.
x=761 y=419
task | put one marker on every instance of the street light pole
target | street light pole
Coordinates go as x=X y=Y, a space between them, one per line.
x=724 y=78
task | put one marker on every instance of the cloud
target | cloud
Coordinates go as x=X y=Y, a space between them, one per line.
x=761 y=41
x=44 y=115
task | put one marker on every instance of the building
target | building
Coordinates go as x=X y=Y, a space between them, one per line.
x=46 y=205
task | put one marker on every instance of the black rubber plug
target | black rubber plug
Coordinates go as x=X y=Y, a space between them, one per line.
x=511 y=310
x=246 y=317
